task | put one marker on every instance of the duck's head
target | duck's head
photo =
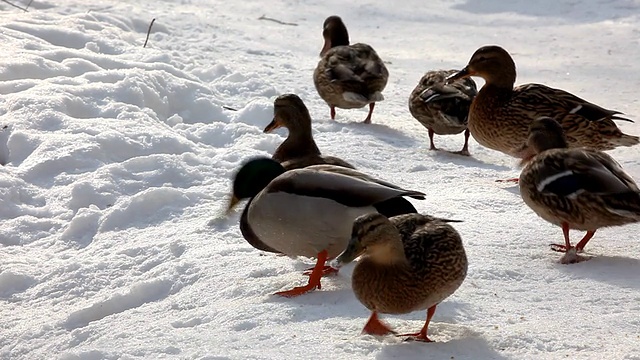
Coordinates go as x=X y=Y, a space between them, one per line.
x=493 y=64
x=545 y=133
x=253 y=176
x=290 y=112
x=334 y=33
x=373 y=235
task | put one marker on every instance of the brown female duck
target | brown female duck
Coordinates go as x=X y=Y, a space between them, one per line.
x=408 y=262
x=576 y=188
x=443 y=108
x=348 y=76
x=500 y=115
x=299 y=149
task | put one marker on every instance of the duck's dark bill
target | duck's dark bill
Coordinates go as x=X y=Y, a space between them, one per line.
x=459 y=75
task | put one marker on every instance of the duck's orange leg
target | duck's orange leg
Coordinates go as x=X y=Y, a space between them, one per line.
x=376 y=327
x=314 y=279
x=326 y=271
x=465 y=148
x=571 y=253
x=580 y=246
x=422 y=334
x=367 y=120
x=567 y=243
x=513 y=180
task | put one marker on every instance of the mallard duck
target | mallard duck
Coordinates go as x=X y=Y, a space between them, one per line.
x=408 y=262
x=443 y=108
x=309 y=212
x=500 y=115
x=348 y=76
x=577 y=188
x=299 y=149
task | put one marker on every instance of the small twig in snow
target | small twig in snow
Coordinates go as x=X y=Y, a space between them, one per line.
x=148 y=33
x=263 y=17
x=14 y=5
x=29 y=4
x=229 y=108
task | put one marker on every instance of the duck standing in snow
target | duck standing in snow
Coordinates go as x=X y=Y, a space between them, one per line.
x=500 y=115
x=309 y=212
x=575 y=188
x=348 y=76
x=299 y=149
x=443 y=108
x=407 y=263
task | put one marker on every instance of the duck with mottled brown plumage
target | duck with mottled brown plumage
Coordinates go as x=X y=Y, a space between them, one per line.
x=348 y=76
x=577 y=188
x=299 y=148
x=500 y=115
x=407 y=263
x=443 y=108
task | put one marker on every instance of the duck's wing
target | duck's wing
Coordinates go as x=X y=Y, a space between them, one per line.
x=338 y=185
x=575 y=171
x=537 y=97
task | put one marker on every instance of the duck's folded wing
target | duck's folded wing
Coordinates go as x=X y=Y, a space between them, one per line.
x=347 y=190
x=536 y=95
x=570 y=174
x=341 y=170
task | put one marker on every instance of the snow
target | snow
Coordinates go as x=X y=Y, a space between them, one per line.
x=113 y=243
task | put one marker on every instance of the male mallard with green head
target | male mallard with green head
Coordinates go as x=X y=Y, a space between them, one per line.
x=407 y=263
x=309 y=212
x=348 y=76
x=577 y=188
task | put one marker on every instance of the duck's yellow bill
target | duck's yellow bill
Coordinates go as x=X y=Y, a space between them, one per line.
x=232 y=203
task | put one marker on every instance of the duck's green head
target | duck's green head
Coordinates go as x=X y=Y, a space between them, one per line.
x=253 y=176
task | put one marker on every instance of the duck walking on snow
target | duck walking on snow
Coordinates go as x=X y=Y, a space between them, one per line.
x=575 y=188
x=309 y=212
x=500 y=115
x=299 y=149
x=348 y=76
x=408 y=262
x=443 y=108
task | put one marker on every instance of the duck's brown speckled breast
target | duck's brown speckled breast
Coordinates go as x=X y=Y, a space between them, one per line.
x=494 y=124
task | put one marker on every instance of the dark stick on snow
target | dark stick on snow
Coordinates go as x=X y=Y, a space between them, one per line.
x=15 y=6
x=29 y=4
x=263 y=17
x=229 y=108
x=148 y=33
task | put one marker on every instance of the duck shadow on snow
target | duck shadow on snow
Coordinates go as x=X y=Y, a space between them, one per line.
x=614 y=270
x=571 y=11
x=383 y=132
x=467 y=345
x=445 y=156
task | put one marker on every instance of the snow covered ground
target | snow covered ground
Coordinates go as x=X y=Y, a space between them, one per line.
x=118 y=158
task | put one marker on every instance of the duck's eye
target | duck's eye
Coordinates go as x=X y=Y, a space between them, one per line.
x=481 y=59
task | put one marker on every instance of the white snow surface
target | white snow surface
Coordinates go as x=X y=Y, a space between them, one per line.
x=117 y=165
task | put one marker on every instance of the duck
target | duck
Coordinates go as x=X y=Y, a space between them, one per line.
x=500 y=114
x=408 y=262
x=443 y=108
x=299 y=149
x=575 y=188
x=309 y=211
x=348 y=76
